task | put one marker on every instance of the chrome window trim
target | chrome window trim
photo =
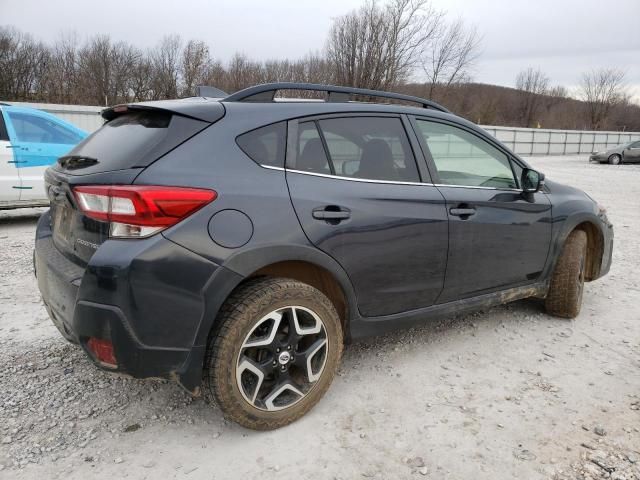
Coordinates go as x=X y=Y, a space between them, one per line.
x=353 y=179
x=478 y=187
x=368 y=180
x=271 y=167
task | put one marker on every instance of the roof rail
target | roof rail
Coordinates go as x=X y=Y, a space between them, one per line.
x=266 y=93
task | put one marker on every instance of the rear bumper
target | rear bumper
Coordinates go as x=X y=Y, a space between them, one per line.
x=148 y=297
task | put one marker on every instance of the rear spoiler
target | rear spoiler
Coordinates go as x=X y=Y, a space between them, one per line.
x=206 y=110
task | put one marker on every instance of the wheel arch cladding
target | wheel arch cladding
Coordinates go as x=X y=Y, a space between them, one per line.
x=595 y=248
x=591 y=225
x=314 y=275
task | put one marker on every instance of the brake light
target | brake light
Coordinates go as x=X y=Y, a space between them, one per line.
x=103 y=351
x=136 y=211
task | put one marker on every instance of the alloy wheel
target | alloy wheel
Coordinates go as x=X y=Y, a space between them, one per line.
x=282 y=358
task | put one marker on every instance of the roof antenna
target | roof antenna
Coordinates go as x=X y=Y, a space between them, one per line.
x=211 y=92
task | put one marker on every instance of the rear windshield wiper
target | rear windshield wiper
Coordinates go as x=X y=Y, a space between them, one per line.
x=72 y=162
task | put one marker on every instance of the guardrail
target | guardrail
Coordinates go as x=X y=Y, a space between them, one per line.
x=536 y=141
x=523 y=141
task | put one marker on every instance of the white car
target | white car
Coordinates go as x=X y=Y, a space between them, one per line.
x=30 y=141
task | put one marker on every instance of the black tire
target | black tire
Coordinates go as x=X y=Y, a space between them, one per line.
x=615 y=159
x=567 y=282
x=242 y=315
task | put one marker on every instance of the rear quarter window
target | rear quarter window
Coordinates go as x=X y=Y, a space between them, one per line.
x=265 y=145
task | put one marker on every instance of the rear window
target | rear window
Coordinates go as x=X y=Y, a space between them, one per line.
x=135 y=139
x=265 y=145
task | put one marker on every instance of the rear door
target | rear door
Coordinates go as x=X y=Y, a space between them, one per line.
x=498 y=236
x=39 y=140
x=9 y=174
x=361 y=198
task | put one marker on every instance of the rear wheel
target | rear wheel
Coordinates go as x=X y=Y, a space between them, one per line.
x=615 y=159
x=567 y=283
x=274 y=354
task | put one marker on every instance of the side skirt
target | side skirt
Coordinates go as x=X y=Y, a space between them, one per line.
x=362 y=327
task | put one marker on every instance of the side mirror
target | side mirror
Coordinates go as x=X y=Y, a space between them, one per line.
x=532 y=180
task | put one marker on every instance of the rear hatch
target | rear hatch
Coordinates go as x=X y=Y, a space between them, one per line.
x=133 y=138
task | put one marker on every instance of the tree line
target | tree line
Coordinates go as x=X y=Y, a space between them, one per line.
x=378 y=46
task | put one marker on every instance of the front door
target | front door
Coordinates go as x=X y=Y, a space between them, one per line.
x=360 y=198
x=632 y=153
x=498 y=236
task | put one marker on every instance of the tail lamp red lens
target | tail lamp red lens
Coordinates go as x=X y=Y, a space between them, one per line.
x=103 y=351
x=135 y=211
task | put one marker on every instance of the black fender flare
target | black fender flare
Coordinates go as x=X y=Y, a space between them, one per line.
x=568 y=225
x=228 y=276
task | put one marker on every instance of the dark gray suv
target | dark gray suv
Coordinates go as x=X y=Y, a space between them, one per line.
x=234 y=244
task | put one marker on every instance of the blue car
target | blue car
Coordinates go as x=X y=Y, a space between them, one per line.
x=30 y=141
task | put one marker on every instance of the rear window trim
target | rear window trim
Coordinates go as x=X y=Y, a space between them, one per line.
x=283 y=161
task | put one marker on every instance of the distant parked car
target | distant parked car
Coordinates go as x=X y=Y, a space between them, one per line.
x=625 y=153
x=30 y=141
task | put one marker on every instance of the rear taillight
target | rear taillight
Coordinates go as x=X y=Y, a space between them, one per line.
x=136 y=211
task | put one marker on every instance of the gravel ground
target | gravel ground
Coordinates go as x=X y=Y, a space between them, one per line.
x=504 y=393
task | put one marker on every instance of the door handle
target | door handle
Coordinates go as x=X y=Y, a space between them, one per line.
x=16 y=161
x=331 y=213
x=462 y=212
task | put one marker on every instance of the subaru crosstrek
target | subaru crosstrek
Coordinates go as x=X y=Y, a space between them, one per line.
x=234 y=244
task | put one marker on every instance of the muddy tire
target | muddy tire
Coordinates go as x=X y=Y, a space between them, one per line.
x=567 y=283
x=274 y=353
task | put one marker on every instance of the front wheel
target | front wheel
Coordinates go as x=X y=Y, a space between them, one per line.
x=567 y=282
x=274 y=354
x=615 y=159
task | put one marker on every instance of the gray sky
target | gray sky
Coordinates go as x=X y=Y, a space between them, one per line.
x=562 y=37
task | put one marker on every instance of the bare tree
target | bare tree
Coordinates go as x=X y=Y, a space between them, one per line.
x=60 y=80
x=104 y=71
x=141 y=79
x=22 y=64
x=450 y=55
x=378 y=47
x=533 y=85
x=196 y=62
x=165 y=59
x=602 y=90
x=243 y=72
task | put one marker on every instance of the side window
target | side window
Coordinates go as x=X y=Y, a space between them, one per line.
x=4 y=136
x=635 y=145
x=31 y=128
x=462 y=158
x=311 y=156
x=374 y=148
x=265 y=145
